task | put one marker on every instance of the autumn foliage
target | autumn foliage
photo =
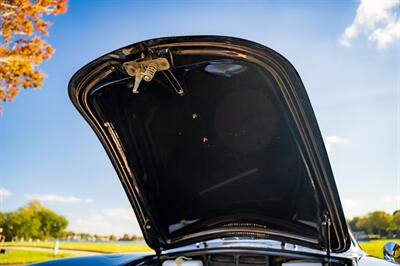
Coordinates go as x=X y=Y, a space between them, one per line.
x=23 y=48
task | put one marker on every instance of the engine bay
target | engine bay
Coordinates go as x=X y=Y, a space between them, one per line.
x=230 y=260
x=239 y=259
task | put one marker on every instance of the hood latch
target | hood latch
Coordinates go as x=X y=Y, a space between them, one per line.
x=143 y=69
x=146 y=68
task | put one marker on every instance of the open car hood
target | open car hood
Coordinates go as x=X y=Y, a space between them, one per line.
x=216 y=139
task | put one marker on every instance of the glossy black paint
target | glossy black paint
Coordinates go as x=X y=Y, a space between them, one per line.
x=102 y=94
x=353 y=257
x=98 y=260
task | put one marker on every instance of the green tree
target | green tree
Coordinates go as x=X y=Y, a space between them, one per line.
x=84 y=235
x=10 y=223
x=33 y=221
x=29 y=221
x=396 y=218
x=396 y=222
x=70 y=234
x=135 y=238
x=52 y=225
x=377 y=222
x=353 y=224
x=125 y=237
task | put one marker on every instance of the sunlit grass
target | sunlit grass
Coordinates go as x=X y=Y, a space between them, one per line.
x=375 y=247
x=88 y=246
x=16 y=256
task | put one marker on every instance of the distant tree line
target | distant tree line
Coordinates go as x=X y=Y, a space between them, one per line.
x=377 y=223
x=37 y=222
x=70 y=235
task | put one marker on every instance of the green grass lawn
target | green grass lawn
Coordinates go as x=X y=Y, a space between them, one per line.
x=27 y=256
x=88 y=246
x=375 y=247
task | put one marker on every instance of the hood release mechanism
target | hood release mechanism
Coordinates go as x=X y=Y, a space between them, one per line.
x=143 y=69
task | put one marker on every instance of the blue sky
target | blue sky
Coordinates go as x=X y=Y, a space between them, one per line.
x=48 y=152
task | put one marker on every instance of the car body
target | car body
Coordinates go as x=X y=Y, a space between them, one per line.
x=218 y=149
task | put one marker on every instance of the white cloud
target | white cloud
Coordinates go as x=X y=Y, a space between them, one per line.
x=333 y=140
x=379 y=20
x=59 y=198
x=392 y=199
x=115 y=221
x=89 y=200
x=93 y=224
x=4 y=192
x=119 y=213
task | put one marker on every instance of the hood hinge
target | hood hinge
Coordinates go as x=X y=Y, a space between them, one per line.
x=326 y=225
x=158 y=255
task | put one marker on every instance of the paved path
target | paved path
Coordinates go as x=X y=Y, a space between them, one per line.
x=69 y=251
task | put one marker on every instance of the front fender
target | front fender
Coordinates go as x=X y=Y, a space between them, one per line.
x=371 y=261
x=98 y=260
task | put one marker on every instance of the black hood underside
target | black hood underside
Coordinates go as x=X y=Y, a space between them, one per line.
x=237 y=152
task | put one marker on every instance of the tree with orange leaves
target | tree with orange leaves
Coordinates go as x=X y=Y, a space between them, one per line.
x=22 y=48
